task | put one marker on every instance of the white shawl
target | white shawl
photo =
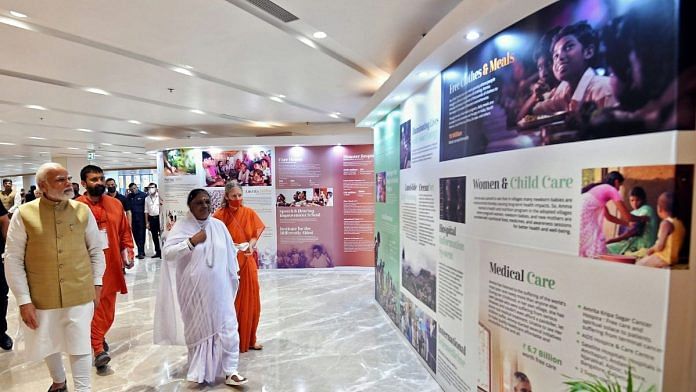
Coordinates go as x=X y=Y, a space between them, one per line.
x=197 y=286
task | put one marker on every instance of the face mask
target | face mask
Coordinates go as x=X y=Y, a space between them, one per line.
x=235 y=203
x=97 y=190
x=111 y=189
x=152 y=191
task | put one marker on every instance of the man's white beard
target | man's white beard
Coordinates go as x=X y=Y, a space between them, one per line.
x=68 y=195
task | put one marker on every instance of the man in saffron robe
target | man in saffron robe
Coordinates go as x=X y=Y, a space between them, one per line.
x=118 y=251
x=245 y=227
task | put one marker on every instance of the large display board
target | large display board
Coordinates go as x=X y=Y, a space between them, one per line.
x=317 y=202
x=546 y=205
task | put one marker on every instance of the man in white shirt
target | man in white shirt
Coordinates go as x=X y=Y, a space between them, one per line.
x=54 y=262
x=152 y=221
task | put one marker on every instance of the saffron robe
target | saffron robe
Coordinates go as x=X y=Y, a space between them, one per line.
x=244 y=224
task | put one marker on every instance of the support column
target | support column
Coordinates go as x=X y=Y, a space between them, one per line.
x=74 y=165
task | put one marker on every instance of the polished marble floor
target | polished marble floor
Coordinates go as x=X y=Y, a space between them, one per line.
x=322 y=331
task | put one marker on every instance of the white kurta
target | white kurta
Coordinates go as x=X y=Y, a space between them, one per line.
x=60 y=330
x=195 y=299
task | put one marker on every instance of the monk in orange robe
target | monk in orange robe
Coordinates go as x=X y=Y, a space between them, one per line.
x=245 y=226
x=112 y=220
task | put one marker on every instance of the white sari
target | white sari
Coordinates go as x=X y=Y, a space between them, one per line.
x=195 y=299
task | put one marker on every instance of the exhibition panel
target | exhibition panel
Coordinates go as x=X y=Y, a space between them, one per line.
x=316 y=202
x=545 y=193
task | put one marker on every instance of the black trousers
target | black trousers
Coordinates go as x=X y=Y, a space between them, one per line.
x=139 y=234
x=155 y=231
x=4 y=290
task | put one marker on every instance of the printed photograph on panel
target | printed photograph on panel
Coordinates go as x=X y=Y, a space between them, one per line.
x=576 y=70
x=313 y=256
x=179 y=162
x=405 y=139
x=453 y=199
x=305 y=197
x=418 y=276
x=637 y=215
x=385 y=286
x=381 y=185
x=420 y=330
x=249 y=167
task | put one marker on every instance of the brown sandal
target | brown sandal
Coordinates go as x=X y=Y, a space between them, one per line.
x=257 y=347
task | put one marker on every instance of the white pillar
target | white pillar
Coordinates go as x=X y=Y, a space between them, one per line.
x=74 y=165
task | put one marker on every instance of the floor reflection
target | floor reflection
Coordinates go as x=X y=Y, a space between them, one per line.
x=321 y=331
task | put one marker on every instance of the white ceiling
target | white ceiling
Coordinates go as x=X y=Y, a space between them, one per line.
x=237 y=56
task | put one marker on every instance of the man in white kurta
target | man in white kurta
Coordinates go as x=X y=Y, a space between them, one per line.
x=195 y=299
x=54 y=265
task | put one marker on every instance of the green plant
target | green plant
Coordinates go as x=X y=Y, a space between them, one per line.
x=596 y=385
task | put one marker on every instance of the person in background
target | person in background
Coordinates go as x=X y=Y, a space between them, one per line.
x=243 y=175
x=521 y=383
x=54 y=265
x=112 y=190
x=151 y=215
x=118 y=251
x=257 y=178
x=37 y=193
x=7 y=195
x=18 y=201
x=595 y=197
x=244 y=226
x=574 y=50
x=543 y=99
x=195 y=300
x=639 y=234
x=137 y=203
x=76 y=190
x=30 y=196
x=320 y=259
x=5 y=340
x=670 y=237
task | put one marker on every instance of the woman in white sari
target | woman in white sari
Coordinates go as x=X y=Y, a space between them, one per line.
x=195 y=300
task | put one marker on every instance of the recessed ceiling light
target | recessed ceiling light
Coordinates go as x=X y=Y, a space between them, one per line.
x=134 y=122
x=6 y=144
x=43 y=152
x=261 y=124
x=203 y=132
x=107 y=144
x=95 y=90
x=17 y=14
x=35 y=107
x=197 y=111
x=155 y=137
x=277 y=99
x=27 y=163
x=20 y=156
x=84 y=130
x=182 y=71
x=187 y=66
x=37 y=138
x=472 y=35
x=424 y=74
x=333 y=115
x=307 y=42
x=73 y=148
x=319 y=35
x=126 y=152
